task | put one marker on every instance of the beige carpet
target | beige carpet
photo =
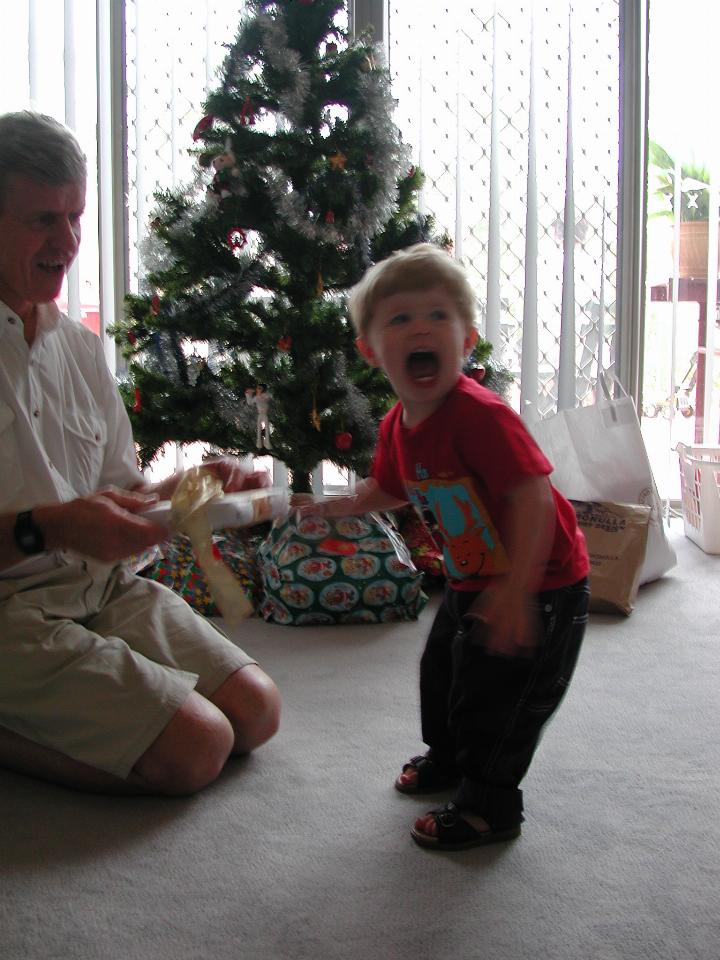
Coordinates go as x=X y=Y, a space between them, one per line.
x=303 y=851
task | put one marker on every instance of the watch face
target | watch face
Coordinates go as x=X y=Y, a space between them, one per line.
x=27 y=535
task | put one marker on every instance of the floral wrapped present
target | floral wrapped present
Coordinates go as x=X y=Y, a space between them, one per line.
x=354 y=569
x=178 y=569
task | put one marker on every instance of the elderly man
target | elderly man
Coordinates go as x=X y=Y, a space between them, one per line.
x=108 y=682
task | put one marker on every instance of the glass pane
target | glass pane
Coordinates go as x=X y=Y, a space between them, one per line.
x=681 y=361
x=446 y=60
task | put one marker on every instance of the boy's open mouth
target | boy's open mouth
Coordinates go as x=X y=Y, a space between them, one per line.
x=422 y=365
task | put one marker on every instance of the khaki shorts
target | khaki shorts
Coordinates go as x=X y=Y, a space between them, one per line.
x=95 y=661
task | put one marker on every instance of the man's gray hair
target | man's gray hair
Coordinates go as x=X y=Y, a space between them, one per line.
x=39 y=147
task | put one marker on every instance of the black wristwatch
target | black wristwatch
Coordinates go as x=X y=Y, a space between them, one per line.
x=28 y=535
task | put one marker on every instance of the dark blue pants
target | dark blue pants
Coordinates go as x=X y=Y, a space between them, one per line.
x=482 y=714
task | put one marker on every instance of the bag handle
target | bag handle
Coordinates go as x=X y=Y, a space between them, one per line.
x=608 y=382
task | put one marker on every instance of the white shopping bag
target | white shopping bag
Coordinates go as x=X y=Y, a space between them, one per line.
x=599 y=454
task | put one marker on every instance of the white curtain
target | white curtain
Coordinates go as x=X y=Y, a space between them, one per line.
x=47 y=63
x=512 y=111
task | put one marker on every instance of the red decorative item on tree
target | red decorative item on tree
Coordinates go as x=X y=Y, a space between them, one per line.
x=247 y=114
x=137 y=406
x=330 y=217
x=343 y=440
x=155 y=305
x=477 y=374
x=236 y=238
x=202 y=126
x=285 y=343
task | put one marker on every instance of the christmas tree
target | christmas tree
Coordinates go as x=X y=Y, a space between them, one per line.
x=239 y=335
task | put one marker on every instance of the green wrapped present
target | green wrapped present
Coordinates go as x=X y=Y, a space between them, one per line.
x=356 y=569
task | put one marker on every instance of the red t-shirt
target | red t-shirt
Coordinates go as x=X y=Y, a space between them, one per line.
x=460 y=464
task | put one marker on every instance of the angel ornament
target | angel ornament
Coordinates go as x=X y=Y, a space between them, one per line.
x=260 y=398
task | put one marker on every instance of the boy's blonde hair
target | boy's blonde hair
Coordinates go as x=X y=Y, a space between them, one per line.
x=419 y=267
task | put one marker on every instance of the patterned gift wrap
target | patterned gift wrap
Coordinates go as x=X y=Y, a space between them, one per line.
x=178 y=569
x=425 y=551
x=350 y=570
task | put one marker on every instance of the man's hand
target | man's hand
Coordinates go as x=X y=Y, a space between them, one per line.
x=228 y=471
x=107 y=525
x=233 y=477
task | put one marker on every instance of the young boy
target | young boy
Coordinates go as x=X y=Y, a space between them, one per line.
x=506 y=638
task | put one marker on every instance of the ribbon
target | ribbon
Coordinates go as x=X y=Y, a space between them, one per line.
x=189 y=515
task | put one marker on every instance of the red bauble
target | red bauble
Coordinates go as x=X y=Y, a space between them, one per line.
x=236 y=238
x=330 y=217
x=285 y=343
x=155 y=305
x=343 y=440
x=137 y=406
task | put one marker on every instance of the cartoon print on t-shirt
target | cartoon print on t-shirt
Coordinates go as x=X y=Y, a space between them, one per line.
x=471 y=546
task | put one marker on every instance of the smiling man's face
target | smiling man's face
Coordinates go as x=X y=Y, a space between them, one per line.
x=420 y=340
x=39 y=239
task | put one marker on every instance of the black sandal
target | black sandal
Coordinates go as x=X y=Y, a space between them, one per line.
x=455 y=833
x=430 y=777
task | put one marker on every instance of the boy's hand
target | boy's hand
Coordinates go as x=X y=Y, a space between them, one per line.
x=510 y=623
x=368 y=497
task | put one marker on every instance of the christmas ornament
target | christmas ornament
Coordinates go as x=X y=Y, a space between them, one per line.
x=236 y=238
x=204 y=124
x=155 y=305
x=314 y=418
x=137 y=406
x=330 y=217
x=331 y=49
x=247 y=114
x=284 y=343
x=343 y=440
x=260 y=398
x=156 y=223
x=338 y=160
x=132 y=339
x=220 y=186
x=226 y=159
x=477 y=374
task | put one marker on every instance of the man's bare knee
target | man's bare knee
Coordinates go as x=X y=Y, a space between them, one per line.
x=251 y=701
x=190 y=752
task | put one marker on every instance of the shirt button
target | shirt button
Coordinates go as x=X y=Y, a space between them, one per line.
x=36 y=413
x=11 y=319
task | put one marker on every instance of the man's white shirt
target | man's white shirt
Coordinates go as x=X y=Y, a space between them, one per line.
x=64 y=431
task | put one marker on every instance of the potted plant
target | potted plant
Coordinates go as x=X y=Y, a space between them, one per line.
x=694 y=206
